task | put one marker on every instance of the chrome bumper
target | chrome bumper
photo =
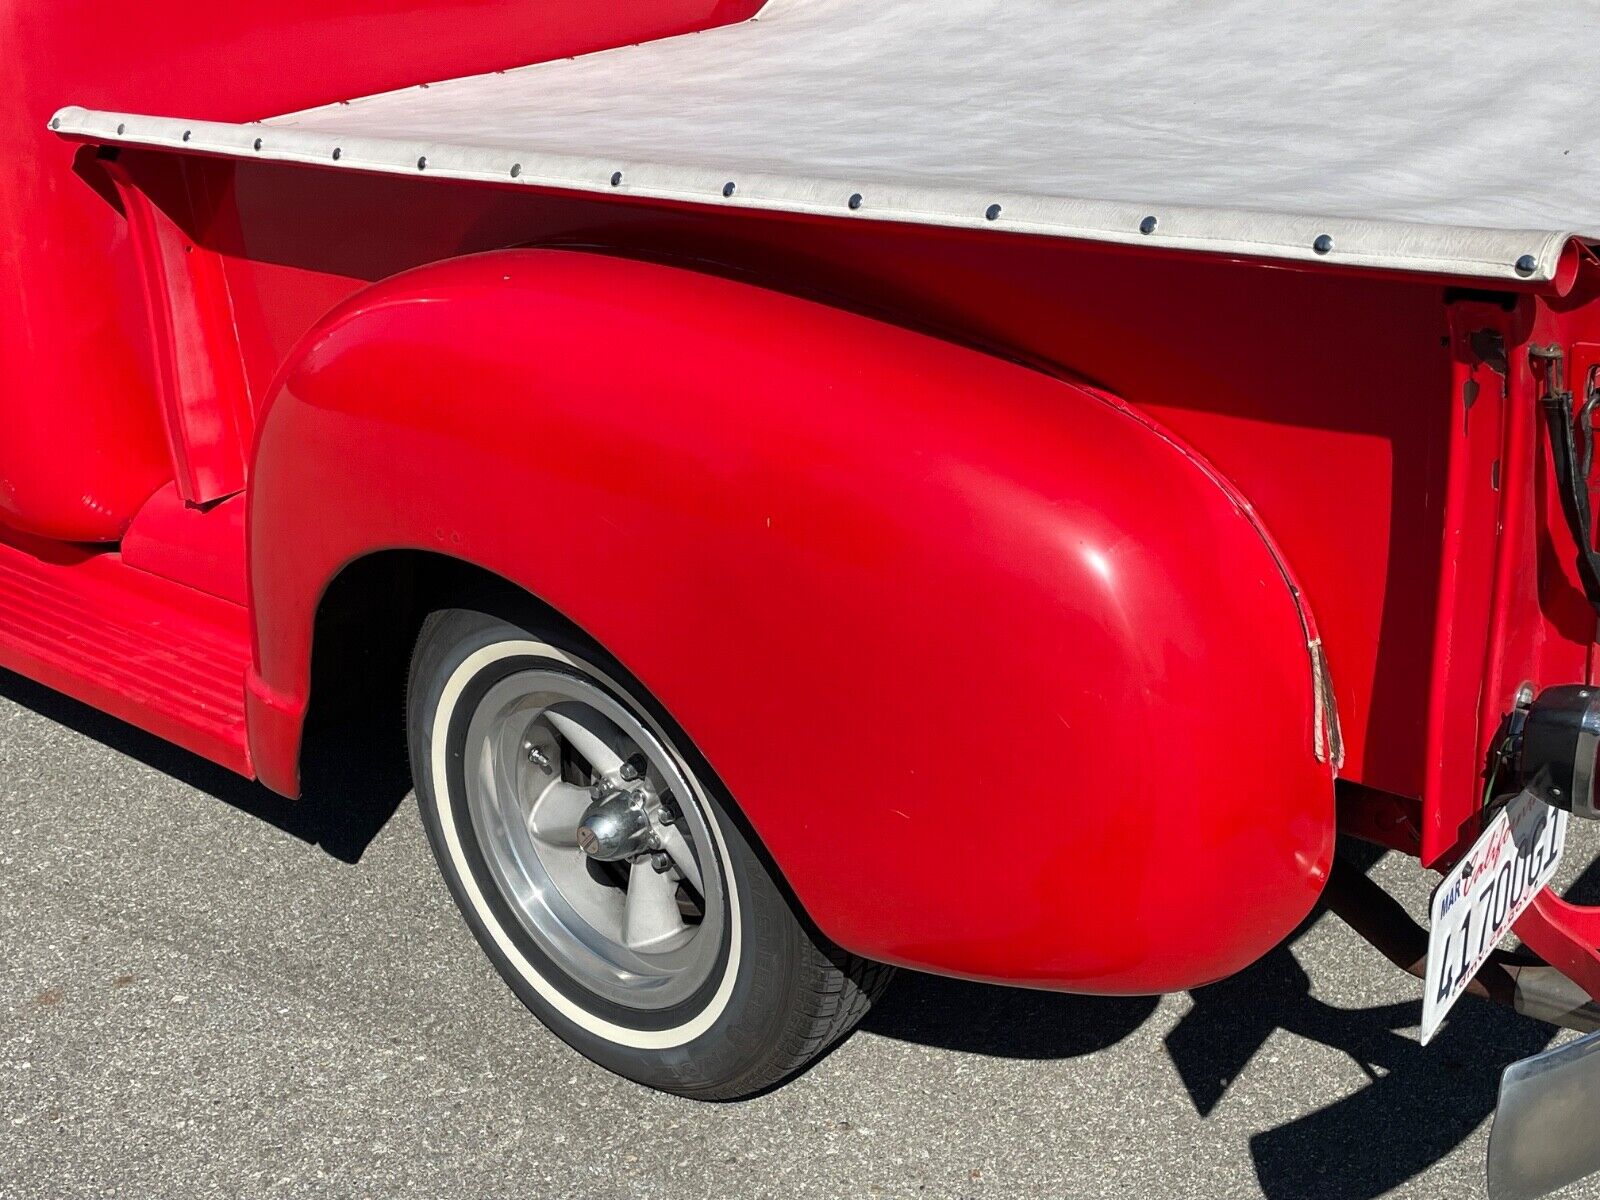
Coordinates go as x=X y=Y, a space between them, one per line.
x=1545 y=1134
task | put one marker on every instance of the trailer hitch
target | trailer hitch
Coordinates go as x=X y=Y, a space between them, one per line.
x=1572 y=455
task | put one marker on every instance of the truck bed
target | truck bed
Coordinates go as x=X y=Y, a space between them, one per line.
x=1448 y=138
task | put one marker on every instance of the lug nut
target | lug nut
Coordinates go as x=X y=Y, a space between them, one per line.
x=661 y=861
x=635 y=767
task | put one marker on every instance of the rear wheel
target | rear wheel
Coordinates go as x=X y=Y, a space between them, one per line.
x=595 y=860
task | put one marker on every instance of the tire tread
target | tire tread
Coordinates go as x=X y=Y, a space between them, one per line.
x=833 y=993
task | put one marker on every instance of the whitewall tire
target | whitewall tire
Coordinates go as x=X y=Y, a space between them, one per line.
x=603 y=870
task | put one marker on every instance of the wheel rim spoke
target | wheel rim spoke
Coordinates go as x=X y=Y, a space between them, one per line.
x=556 y=813
x=650 y=916
x=555 y=752
x=678 y=849
x=593 y=747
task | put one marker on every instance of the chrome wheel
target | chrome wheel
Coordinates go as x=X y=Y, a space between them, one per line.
x=596 y=838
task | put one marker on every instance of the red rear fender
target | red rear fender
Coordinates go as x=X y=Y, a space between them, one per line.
x=1007 y=681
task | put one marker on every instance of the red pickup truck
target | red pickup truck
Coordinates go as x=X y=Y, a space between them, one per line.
x=987 y=489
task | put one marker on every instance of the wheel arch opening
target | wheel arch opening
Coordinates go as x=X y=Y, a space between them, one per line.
x=353 y=754
x=352 y=758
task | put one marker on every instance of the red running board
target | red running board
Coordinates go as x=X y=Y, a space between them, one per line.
x=159 y=655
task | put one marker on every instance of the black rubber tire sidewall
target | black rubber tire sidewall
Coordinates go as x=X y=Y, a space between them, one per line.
x=739 y=1043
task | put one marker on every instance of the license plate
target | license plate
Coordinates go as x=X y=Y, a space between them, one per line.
x=1484 y=894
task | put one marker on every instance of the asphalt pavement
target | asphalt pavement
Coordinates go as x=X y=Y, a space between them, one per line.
x=207 y=991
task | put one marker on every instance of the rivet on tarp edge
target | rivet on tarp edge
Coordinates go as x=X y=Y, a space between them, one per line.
x=189 y=133
x=1323 y=244
x=516 y=169
x=992 y=213
x=727 y=188
x=258 y=143
x=855 y=200
x=338 y=153
x=1148 y=225
x=1526 y=265
x=422 y=163
x=616 y=179
x=55 y=122
x=121 y=129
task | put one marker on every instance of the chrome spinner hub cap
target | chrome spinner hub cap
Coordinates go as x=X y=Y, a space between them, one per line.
x=596 y=837
x=617 y=827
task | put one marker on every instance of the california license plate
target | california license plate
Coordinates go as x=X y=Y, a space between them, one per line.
x=1484 y=894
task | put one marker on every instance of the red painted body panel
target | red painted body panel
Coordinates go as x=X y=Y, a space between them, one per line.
x=200 y=387
x=1331 y=401
x=202 y=547
x=158 y=654
x=1515 y=612
x=980 y=595
x=885 y=537
x=1325 y=398
x=78 y=368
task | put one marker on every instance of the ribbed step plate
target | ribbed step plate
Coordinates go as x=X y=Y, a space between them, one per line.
x=156 y=654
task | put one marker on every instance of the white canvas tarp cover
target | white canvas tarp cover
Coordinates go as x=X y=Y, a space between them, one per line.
x=1453 y=136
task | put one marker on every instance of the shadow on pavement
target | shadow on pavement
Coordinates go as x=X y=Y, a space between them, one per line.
x=1419 y=1106
x=348 y=797
x=1003 y=1022
x=1421 y=1102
